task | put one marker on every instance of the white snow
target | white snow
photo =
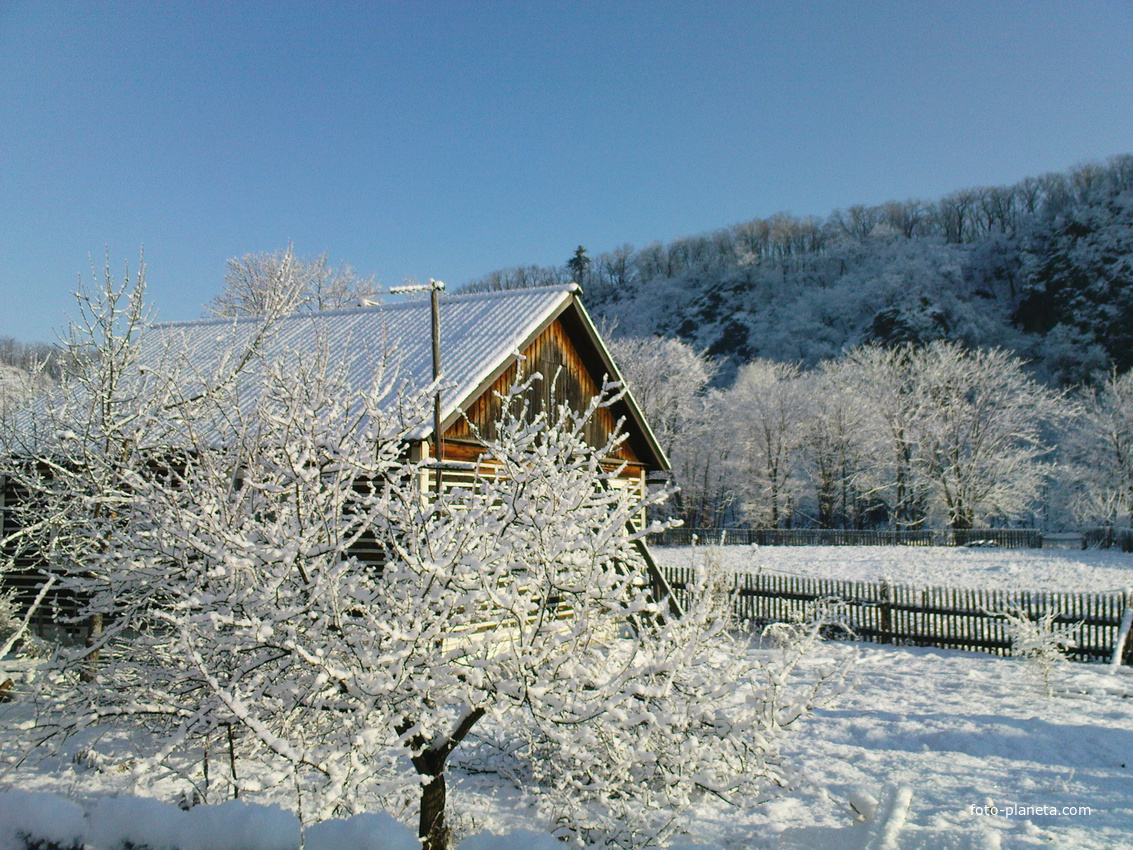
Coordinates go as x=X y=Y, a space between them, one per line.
x=1087 y=570
x=931 y=749
x=164 y=826
x=43 y=815
x=981 y=748
x=989 y=760
x=376 y=831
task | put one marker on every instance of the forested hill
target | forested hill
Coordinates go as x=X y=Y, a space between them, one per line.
x=1043 y=267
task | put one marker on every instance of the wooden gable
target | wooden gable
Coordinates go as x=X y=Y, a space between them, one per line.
x=567 y=355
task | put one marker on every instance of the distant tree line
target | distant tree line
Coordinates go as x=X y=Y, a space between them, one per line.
x=28 y=356
x=905 y=437
x=962 y=217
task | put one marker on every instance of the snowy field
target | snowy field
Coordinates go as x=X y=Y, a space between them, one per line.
x=969 y=732
x=1092 y=570
x=963 y=732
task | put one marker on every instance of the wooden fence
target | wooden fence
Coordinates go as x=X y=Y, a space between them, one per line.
x=950 y=618
x=1008 y=538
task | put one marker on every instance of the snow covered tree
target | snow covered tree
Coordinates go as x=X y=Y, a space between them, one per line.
x=223 y=505
x=17 y=385
x=1040 y=641
x=882 y=382
x=69 y=453
x=233 y=601
x=832 y=448
x=519 y=600
x=664 y=721
x=670 y=380
x=1099 y=455
x=265 y=284
x=704 y=468
x=766 y=418
x=981 y=428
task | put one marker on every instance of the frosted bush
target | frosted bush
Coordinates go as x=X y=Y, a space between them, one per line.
x=1040 y=642
x=696 y=719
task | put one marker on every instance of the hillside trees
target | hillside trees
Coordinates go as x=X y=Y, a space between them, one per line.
x=1079 y=280
x=1014 y=266
x=518 y=277
x=801 y=289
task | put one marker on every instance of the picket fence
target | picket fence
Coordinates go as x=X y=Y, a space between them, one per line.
x=946 y=617
x=1007 y=538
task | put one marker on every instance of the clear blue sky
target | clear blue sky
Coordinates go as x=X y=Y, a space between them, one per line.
x=448 y=139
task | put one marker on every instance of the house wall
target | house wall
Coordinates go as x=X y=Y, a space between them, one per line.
x=24 y=574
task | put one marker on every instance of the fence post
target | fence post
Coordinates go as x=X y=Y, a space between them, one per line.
x=1122 y=646
x=886 y=610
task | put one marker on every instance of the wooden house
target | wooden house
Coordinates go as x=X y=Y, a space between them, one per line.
x=487 y=340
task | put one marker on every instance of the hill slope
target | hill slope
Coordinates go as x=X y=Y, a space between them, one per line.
x=1043 y=267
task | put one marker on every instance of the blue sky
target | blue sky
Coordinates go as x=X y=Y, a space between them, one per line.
x=449 y=139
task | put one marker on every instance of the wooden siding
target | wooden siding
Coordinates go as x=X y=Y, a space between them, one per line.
x=28 y=572
x=566 y=378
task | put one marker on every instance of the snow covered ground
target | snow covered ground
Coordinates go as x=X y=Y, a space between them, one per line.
x=1010 y=569
x=973 y=735
x=970 y=735
x=987 y=756
x=990 y=760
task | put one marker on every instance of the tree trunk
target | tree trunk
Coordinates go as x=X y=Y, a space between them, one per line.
x=89 y=671
x=432 y=828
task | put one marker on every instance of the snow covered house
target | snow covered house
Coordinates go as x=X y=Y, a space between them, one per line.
x=487 y=340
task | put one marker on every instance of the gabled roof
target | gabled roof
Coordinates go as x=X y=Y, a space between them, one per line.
x=481 y=335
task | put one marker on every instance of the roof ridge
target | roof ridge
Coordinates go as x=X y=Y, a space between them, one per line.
x=227 y=321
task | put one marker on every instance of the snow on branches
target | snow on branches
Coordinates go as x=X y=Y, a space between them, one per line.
x=211 y=523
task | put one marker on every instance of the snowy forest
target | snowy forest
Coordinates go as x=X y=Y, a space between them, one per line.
x=1041 y=268
x=960 y=362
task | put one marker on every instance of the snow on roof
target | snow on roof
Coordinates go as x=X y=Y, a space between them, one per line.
x=480 y=333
